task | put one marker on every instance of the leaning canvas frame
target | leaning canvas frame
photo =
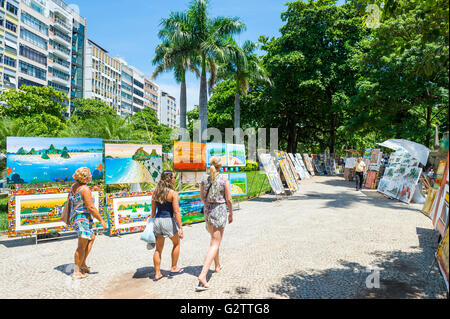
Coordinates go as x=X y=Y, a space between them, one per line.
x=17 y=197
x=272 y=174
x=191 y=207
x=130 y=222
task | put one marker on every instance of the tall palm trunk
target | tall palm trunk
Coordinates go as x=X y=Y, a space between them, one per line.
x=183 y=104
x=237 y=116
x=203 y=103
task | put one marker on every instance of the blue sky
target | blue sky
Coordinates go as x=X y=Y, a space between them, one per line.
x=129 y=29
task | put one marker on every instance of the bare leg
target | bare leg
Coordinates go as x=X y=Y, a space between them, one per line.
x=87 y=251
x=157 y=256
x=79 y=257
x=216 y=258
x=216 y=238
x=175 y=252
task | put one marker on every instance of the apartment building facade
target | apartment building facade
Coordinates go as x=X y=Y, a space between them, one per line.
x=43 y=43
x=151 y=94
x=168 y=112
x=132 y=89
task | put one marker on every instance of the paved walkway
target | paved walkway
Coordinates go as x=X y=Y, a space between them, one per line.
x=316 y=244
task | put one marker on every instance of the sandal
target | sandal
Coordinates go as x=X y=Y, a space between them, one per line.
x=201 y=287
x=86 y=270
x=80 y=276
x=175 y=273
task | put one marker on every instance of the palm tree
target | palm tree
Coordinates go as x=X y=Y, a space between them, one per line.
x=176 y=53
x=208 y=36
x=241 y=65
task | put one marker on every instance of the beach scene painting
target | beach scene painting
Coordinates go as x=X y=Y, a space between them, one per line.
x=216 y=149
x=238 y=183
x=188 y=156
x=191 y=207
x=33 y=160
x=236 y=155
x=132 y=163
x=129 y=212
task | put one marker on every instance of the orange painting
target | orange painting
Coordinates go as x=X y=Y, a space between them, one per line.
x=188 y=156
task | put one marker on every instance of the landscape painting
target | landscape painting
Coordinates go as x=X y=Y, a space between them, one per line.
x=236 y=155
x=188 y=156
x=238 y=183
x=38 y=211
x=33 y=160
x=129 y=212
x=191 y=207
x=132 y=163
x=216 y=149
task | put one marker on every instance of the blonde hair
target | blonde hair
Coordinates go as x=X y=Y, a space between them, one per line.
x=82 y=175
x=216 y=164
x=164 y=186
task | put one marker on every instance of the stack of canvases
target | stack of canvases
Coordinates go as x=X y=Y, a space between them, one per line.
x=437 y=207
x=348 y=168
x=37 y=160
x=373 y=169
x=401 y=176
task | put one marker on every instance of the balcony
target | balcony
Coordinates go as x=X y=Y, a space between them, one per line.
x=63 y=40
x=60 y=52
x=59 y=66
x=61 y=25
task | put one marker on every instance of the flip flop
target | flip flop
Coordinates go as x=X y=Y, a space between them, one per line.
x=86 y=270
x=179 y=272
x=81 y=276
x=155 y=280
x=201 y=287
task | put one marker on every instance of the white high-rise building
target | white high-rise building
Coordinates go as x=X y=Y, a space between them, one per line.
x=168 y=112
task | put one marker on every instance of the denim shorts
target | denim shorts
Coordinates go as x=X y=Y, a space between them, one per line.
x=165 y=227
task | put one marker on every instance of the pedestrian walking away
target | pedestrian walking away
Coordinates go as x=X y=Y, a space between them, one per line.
x=216 y=195
x=82 y=209
x=359 y=168
x=167 y=221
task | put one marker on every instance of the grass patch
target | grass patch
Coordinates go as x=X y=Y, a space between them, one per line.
x=257 y=184
x=3 y=214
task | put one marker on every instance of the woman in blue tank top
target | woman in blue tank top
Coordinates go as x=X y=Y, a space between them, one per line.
x=167 y=222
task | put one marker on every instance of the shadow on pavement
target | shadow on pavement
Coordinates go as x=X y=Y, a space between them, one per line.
x=402 y=275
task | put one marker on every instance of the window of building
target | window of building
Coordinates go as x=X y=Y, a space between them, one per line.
x=9 y=61
x=59 y=74
x=139 y=84
x=23 y=81
x=33 y=38
x=10 y=49
x=34 y=23
x=32 y=70
x=10 y=26
x=33 y=54
x=11 y=8
x=58 y=87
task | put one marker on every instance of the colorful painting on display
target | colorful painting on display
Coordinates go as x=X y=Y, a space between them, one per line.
x=236 y=155
x=189 y=156
x=191 y=207
x=308 y=163
x=238 y=183
x=400 y=177
x=371 y=179
x=375 y=160
x=292 y=166
x=350 y=162
x=32 y=160
x=128 y=212
x=272 y=173
x=429 y=201
x=132 y=163
x=216 y=149
x=286 y=170
x=442 y=257
x=299 y=159
x=297 y=167
x=38 y=211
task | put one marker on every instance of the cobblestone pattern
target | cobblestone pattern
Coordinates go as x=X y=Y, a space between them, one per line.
x=315 y=244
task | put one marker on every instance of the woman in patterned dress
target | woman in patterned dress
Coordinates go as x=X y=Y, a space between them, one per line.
x=216 y=195
x=82 y=209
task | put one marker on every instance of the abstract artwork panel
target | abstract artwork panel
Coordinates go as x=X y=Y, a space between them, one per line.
x=188 y=156
x=236 y=155
x=132 y=163
x=238 y=183
x=37 y=211
x=216 y=149
x=48 y=160
x=128 y=212
x=191 y=207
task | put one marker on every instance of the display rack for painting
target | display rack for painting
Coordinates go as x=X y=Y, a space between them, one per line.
x=189 y=156
x=286 y=170
x=191 y=207
x=128 y=212
x=38 y=211
x=443 y=258
x=272 y=173
x=308 y=163
x=400 y=177
x=440 y=210
x=32 y=160
x=318 y=163
x=299 y=159
x=132 y=163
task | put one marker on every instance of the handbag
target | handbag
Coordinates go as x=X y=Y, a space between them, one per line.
x=65 y=216
x=148 y=235
x=206 y=198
